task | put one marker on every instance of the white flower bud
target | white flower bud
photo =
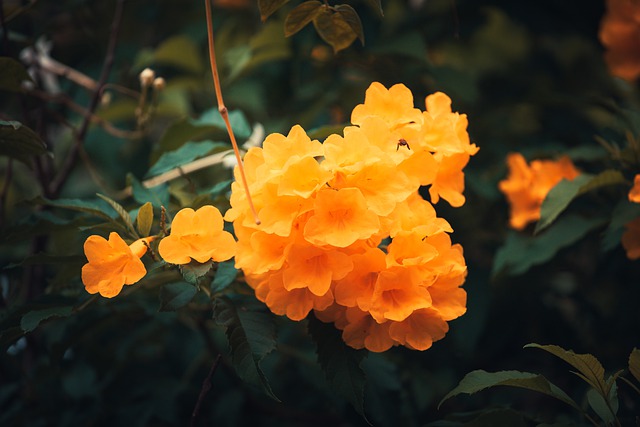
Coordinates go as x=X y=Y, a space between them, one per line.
x=146 y=77
x=159 y=84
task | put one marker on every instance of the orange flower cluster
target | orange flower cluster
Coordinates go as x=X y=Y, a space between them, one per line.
x=527 y=185
x=196 y=235
x=344 y=230
x=631 y=235
x=620 y=34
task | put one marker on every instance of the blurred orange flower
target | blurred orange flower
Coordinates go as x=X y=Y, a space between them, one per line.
x=631 y=239
x=634 y=193
x=112 y=264
x=197 y=235
x=345 y=231
x=620 y=34
x=527 y=185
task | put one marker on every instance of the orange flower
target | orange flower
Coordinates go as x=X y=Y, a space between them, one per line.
x=631 y=239
x=527 y=186
x=112 y=264
x=393 y=105
x=620 y=34
x=198 y=235
x=634 y=193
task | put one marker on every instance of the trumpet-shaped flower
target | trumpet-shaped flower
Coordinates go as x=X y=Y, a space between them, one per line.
x=527 y=186
x=112 y=264
x=197 y=235
x=620 y=34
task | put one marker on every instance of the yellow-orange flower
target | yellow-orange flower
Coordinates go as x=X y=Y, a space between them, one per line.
x=344 y=230
x=634 y=193
x=112 y=264
x=620 y=34
x=527 y=186
x=197 y=235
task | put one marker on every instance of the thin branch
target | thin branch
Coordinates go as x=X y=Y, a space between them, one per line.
x=72 y=156
x=7 y=184
x=105 y=124
x=206 y=386
x=223 y=110
x=202 y=163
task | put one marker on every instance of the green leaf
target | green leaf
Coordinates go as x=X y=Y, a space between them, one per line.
x=217 y=189
x=479 y=380
x=334 y=30
x=157 y=195
x=350 y=16
x=144 y=220
x=225 y=275
x=210 y=123
x=174 y=296
x=251 y=334
x=624 y=212
x=19 y=142
x=565 y=191
x=183 y=155
x=519 y=252
x=606 y=412
x=268 y=7
x=181 y=52
x=558 y=199
x=33 y=318
x=122 y=213
x=300 y=16
x=195 y=270
x=589 y=368
x=93 y=207
x=12 y=74
x=340 y=363
x=323 y=132
x=634 y=363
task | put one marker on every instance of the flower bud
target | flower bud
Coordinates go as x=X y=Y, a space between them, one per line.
x=146 y=77
x=159 y=84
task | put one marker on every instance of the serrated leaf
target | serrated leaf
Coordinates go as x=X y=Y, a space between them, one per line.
x=174 y=296
x=587 y=365
x=519 y=252
x=334 y=30
x=558 y=199
x=12 y=74
x=634 y=363
x=624 y=212
x=225 y=275
x=122 y=213
x=195 y=270
x=269 y=7
x=350 y=16
x=33 y=318
x=180 y=51
x=340 y=363
x=251 y=334
x=479 y=380
x=606 y=412
x=300 y=16
x=144 y=220
x=183 y=155
x=19 y=142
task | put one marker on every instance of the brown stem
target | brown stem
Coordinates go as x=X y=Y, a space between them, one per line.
x=223 y=110
x=206 y=386
x=73 y=155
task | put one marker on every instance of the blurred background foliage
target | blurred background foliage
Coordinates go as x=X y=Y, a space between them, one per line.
x=530 y=76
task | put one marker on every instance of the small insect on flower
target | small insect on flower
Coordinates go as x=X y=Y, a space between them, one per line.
x=402 y=143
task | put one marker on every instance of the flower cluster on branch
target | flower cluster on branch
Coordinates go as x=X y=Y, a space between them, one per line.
x=344 y=230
